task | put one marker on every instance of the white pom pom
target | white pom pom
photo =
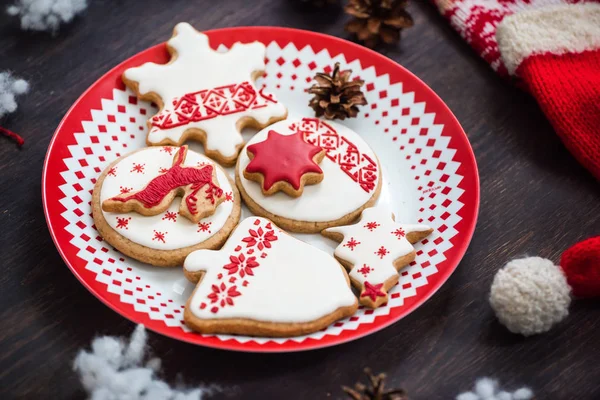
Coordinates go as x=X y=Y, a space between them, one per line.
x=530 y=295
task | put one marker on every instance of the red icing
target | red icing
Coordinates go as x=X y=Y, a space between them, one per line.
x=382 y=252
x=351 y=244
x=373 y=291
x=399 y=233
x=209 y=104
x=159 y=236
x=242 y=265
x=123 y=222
x=171 y=216
x=204 y=227
x=261 y=237
x=283 y=158
x=371 y=226
x=365 y=270
x=358 y=166
x=175 y=177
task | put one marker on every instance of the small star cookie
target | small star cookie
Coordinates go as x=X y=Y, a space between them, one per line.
x=284 y=163
x=205 y=95
x=374 y=249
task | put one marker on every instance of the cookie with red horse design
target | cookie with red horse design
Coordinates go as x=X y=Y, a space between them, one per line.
x=205 y=95
x=374 y=250
x=264 y=282
x=136 y=207
x=197 y=185
x=351 y=174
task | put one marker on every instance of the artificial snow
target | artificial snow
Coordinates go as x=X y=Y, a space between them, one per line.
x=10 y=87
x=488 y=389
x=114 y=370
x=46 y=15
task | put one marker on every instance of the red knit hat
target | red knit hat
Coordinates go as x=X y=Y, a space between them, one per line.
x=553 y=47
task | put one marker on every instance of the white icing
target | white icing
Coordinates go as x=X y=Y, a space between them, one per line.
x=198 y=67
x=141 y=229
x=294 y=282
x=369 y=243
x=336 y=196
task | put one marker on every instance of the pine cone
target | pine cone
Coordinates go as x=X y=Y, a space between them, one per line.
x=378 y=20
x=336 y=97
x=375 y=390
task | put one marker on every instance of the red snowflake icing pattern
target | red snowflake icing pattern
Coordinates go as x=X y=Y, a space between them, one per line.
x=371 y=226
x=112 y=171
x=125 y=189
x=122 y=223
x=222 y=296
x=365 y=270
x=204 y=227
x=168 y=150
x=351 y=244
x=139 y=168
x=260 y=237
x=242 y=264
x=399 y=233
x=170 y=216
x=372 y=291
x=159 y=236
x=163 y=170
x=229 y=196
x=382 y=252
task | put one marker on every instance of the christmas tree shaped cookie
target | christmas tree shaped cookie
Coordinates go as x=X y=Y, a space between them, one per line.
x=284 y=162
x=373 y=250
x=197 y=185
x=205 y=95
x=265 y=282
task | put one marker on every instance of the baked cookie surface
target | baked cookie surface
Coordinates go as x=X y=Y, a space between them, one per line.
x=205 y=95
x=351 y=179
x=167 y=238
x=265 y=282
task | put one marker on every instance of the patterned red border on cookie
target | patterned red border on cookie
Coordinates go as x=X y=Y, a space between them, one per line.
x=103 y=88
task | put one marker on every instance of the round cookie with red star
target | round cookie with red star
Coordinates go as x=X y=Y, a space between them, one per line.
x=159 y=204
x=307 y=174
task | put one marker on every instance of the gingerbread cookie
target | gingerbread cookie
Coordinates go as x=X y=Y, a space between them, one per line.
x=374 y=250
x=205 y=95
x=197 y=185
x=148 y=180
x=264 y=282
x=351 y=178
x=284 y=163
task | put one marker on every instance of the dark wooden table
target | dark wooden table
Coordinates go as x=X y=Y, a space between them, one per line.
x=535 y=200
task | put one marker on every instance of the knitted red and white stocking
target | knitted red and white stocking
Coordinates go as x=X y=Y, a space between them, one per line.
x=553 y=47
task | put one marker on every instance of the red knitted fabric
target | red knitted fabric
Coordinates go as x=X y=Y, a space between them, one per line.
x=566 y=84
x=567 y=88
x=581 y=264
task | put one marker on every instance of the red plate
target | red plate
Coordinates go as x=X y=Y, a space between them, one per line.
x=426 y=155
